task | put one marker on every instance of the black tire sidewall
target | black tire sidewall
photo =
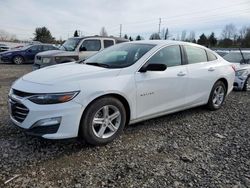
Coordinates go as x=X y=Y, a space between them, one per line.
x=210 y=103
x=86 y=123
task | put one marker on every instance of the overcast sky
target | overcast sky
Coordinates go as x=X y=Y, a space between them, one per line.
x=63 y=17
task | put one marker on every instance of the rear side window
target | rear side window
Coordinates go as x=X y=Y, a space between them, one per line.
x=170 y=56
x=195 y=54
x=46 y=47
x=91 y=45
x=211 y=56
x=108 y=43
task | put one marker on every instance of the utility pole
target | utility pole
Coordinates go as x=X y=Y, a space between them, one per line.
x=159 y=26
x=120 y=30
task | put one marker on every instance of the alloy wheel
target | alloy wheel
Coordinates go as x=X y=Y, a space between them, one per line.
x=218 y=96
x=106 y=121
x=18 y=60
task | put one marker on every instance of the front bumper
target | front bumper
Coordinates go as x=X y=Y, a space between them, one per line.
x=69 y=114
x=239 y=82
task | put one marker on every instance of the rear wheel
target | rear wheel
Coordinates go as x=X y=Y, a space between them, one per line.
x=18 y=60
x=103 y=121
x=217 y=96
x=247 y=84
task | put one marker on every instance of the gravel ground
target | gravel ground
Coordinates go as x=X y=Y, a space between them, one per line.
x=193 y=148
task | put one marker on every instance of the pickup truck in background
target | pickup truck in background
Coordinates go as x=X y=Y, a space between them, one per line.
x=73 y=49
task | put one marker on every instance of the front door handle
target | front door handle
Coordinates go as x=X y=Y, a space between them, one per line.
x=211 y=69
x=181 y=74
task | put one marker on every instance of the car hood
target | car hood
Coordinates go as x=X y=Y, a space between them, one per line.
x=52 y=53
x=68 y=72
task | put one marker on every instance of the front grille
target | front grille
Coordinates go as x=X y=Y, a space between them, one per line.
x=17 y=110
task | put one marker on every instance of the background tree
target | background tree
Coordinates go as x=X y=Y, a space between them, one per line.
x=212 y=40
x=42 y=34
x=183 y=35
x=126 y=36
x=229 y=32
x=155 y=36
x=246 y=39
x=103 y=32
x=76 y=33
x=203 y=40
x=6 y=36
x=191 y=37
x=130 y=38
x=166 y=36
x=138 y=37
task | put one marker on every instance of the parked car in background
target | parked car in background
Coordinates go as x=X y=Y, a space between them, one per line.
x=74 y=49
x=25 y=54
x=4 y=47
x=241 y=60
x=222 y=52
x=126 y=83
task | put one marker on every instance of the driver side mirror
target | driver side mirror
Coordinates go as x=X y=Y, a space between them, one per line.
x=153 y=67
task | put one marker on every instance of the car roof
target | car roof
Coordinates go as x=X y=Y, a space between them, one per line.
x=166 y=42
x=97 y=36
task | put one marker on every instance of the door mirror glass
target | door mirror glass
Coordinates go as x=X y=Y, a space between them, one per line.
x=153 y=67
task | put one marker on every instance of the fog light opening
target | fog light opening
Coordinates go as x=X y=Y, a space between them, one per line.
x=48 y=122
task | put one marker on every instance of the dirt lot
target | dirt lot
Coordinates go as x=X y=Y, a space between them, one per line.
x=193 y=148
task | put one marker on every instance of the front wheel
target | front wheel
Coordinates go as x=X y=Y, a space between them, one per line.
x=247 y=84
x=18 y=60
x=103 y=121
x=217 y=96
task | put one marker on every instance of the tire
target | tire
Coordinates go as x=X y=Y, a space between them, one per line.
x=217 y=96
x=18 y=60
x=106 y=127
x=247 y=84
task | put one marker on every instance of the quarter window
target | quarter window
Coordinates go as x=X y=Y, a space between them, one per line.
x=211 y=56
x=170 y=56
x=91 y=45
x=195 y=54
x=108 y=43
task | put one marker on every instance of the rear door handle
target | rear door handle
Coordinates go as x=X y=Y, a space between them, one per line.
x=211 y=69
x=181 y=74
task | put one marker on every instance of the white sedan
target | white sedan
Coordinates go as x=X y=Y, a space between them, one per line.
x=123 y=84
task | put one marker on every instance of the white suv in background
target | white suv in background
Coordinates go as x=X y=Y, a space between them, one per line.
x=123 y=84
x=241 y=60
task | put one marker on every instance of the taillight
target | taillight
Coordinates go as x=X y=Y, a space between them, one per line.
x=233 y=67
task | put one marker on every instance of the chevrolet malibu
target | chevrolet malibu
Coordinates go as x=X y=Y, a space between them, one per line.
x=123 y=84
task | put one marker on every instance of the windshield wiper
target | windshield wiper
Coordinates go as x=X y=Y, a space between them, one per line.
x=98 y=64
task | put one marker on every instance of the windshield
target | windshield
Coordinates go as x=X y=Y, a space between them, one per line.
x=119 y=56
x=236 y=57
x=70 y=44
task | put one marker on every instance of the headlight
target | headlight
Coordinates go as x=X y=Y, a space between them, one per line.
x=46 y=60
x=243 y=72
x=53 y=98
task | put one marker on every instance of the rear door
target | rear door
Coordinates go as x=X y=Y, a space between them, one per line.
x=162 y=91
x=202 y=72
x=89 y=47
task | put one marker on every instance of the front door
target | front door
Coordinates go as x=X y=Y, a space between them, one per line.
x=162 y=91
x=89 y=47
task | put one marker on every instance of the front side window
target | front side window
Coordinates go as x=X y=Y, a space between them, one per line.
x=119 y=56
x=195 y=54
x=170 y=56
x=91 y=45
x=70 y=44
x=108 y=43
